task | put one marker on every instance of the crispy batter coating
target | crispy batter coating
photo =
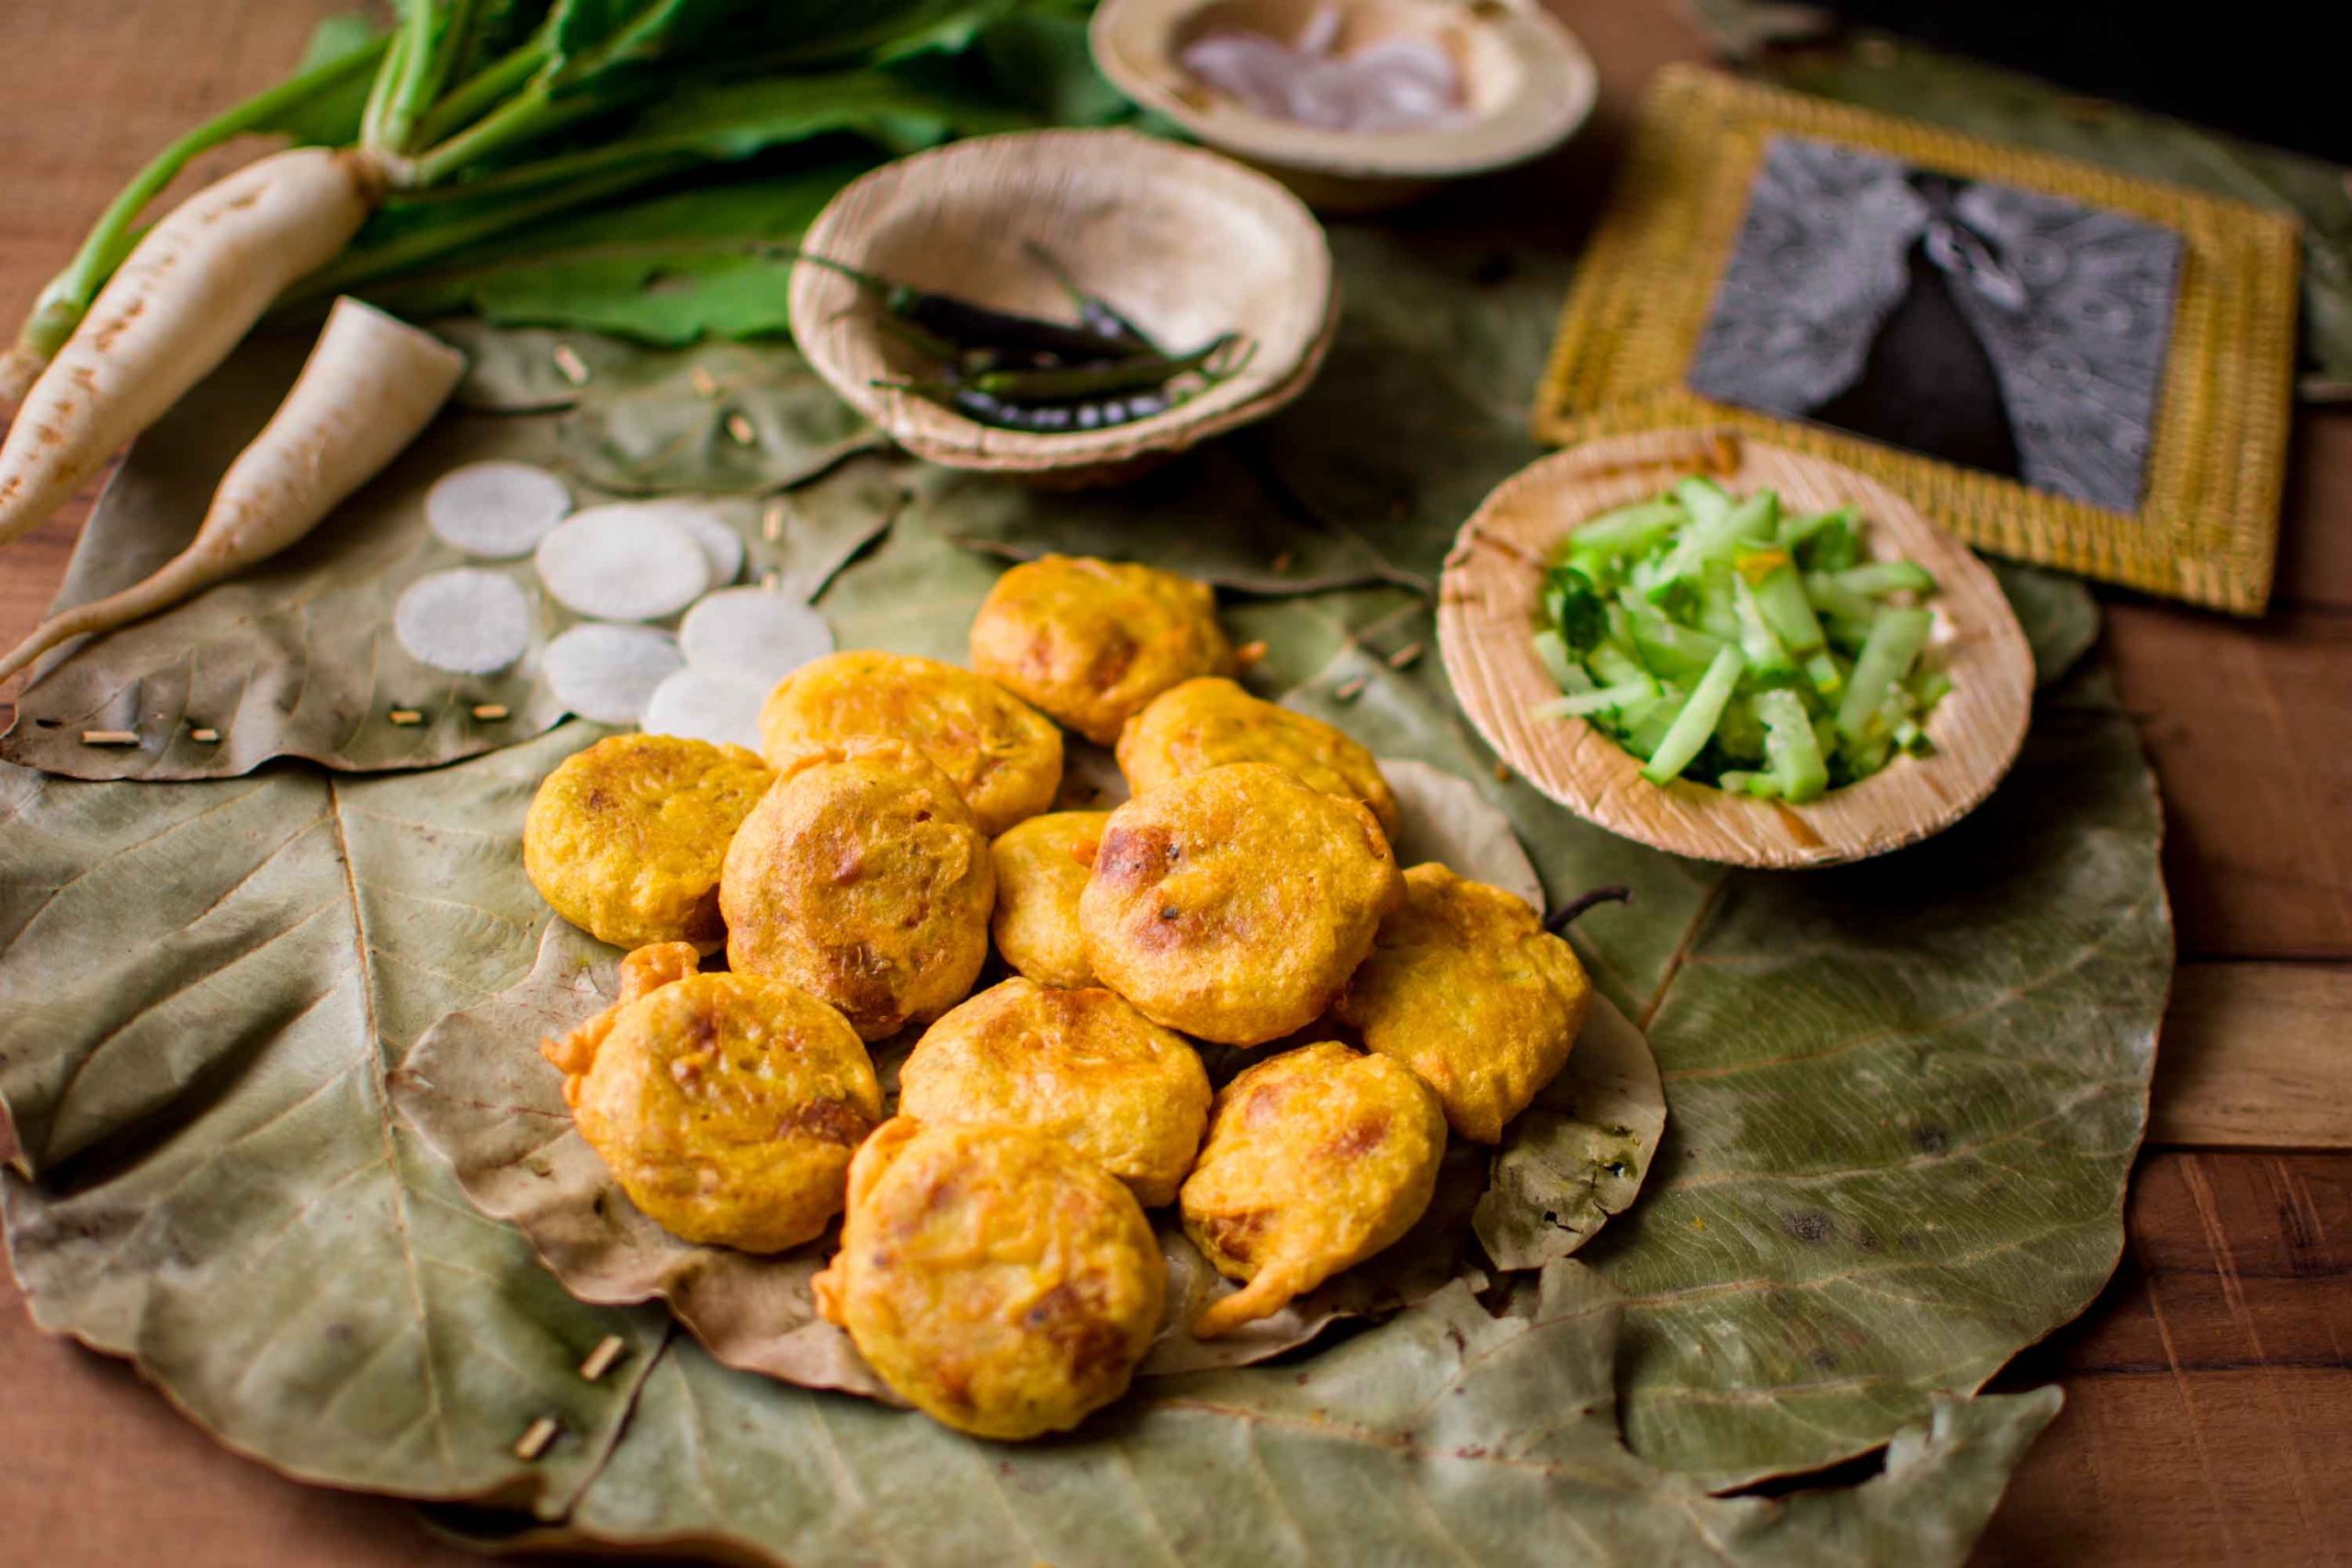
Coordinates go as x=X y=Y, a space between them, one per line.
x=1091 y=641
x=1316 y=1159
x=1080 y=1065
x=625 y=839
x=1210 y=722
x=1041 y=869
x=862 y=880
x=1001 y=1283
x=1233 y=903
x=1467 y=988
x=643 y=972
x=728 y=1107
x=1003 y=755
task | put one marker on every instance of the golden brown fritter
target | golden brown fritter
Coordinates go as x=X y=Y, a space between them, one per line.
x=1003 y=755
x=1316 y=1159
x=1233 y=903
x=1467 y=988
x=1091 y=641
x=862 y=880
x=1003 y=1284
x=643 y=972
x=1079 y=1065
x=625 y=839
x=1210 y=722
x=728 y=1107
x=1041 y=869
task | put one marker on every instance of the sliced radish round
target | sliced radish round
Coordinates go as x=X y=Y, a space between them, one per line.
x=606 y=674
x=467 y=621
x=751 y=633
x=497 y=509
x=623 y=563
x=722 y=709
x=722 y=547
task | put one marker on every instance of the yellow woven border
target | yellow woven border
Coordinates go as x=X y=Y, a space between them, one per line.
x=2207 y=528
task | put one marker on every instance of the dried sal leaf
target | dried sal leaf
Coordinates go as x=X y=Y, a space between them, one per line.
x=497 y=509
x=753 y=635
x=623 y=562
x=478 y=1090
x=1442 y=816
x=608 y=674
x=1456 y=1432
x=1579 y=1154
x=702 y=706
x=466 y=621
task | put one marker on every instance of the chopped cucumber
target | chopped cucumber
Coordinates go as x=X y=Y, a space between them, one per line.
x=1560 y=664
x=1792 y=750
x=1695 y=724
x=1758 y=641
x=1780 y=598
x=1723 y=641
x=1878 y=578
x=1630 y=530
x=1894 y=646
x=1601 y=699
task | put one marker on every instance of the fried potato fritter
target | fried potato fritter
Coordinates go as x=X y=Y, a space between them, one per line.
x=1316 y=1159
x=643 y=972
x=1467 y=988
x=863 y=880
x=1079 y=1065
x=1210 y=722
x=1002 y=755
x=1091 y=641
x=625 y=839
x=1041 y=870
x=1000 y=1282
x=729 y=1107
x=1233 y=903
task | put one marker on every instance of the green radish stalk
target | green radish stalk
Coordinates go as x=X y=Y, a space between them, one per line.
x=180 y=301
x=369 y=388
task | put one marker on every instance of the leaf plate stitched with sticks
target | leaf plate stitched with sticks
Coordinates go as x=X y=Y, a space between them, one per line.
x=1904 y=1101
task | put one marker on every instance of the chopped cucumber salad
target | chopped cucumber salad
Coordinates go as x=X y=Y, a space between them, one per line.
x=1723 y=641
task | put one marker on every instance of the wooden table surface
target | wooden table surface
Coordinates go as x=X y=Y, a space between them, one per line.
x=2208 y=1393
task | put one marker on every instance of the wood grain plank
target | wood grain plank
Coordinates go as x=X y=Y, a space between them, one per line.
x=2250 y=729
x=2208 y=1393
x=2314 y=546
x=2257 y=1056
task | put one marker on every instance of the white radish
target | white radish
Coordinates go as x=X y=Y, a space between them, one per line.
x=466 y=621
x=180 y=301
x=722 y=547
x=370 y=386
x=622 y=562
x=753 y=635
x=721 y=709
x=608 y=674
x=500 y=508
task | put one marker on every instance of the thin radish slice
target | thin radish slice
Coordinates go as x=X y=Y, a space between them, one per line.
x=607 y=673
x=497 y=509
x=622 y=563
x=722 y=547
x=750 y=634
x=722 y=709
x=467 y=622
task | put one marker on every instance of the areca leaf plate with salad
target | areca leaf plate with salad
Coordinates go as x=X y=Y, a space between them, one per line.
x=1733 y=651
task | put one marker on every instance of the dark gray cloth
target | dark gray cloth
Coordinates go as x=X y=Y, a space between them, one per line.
x=2070 y=305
